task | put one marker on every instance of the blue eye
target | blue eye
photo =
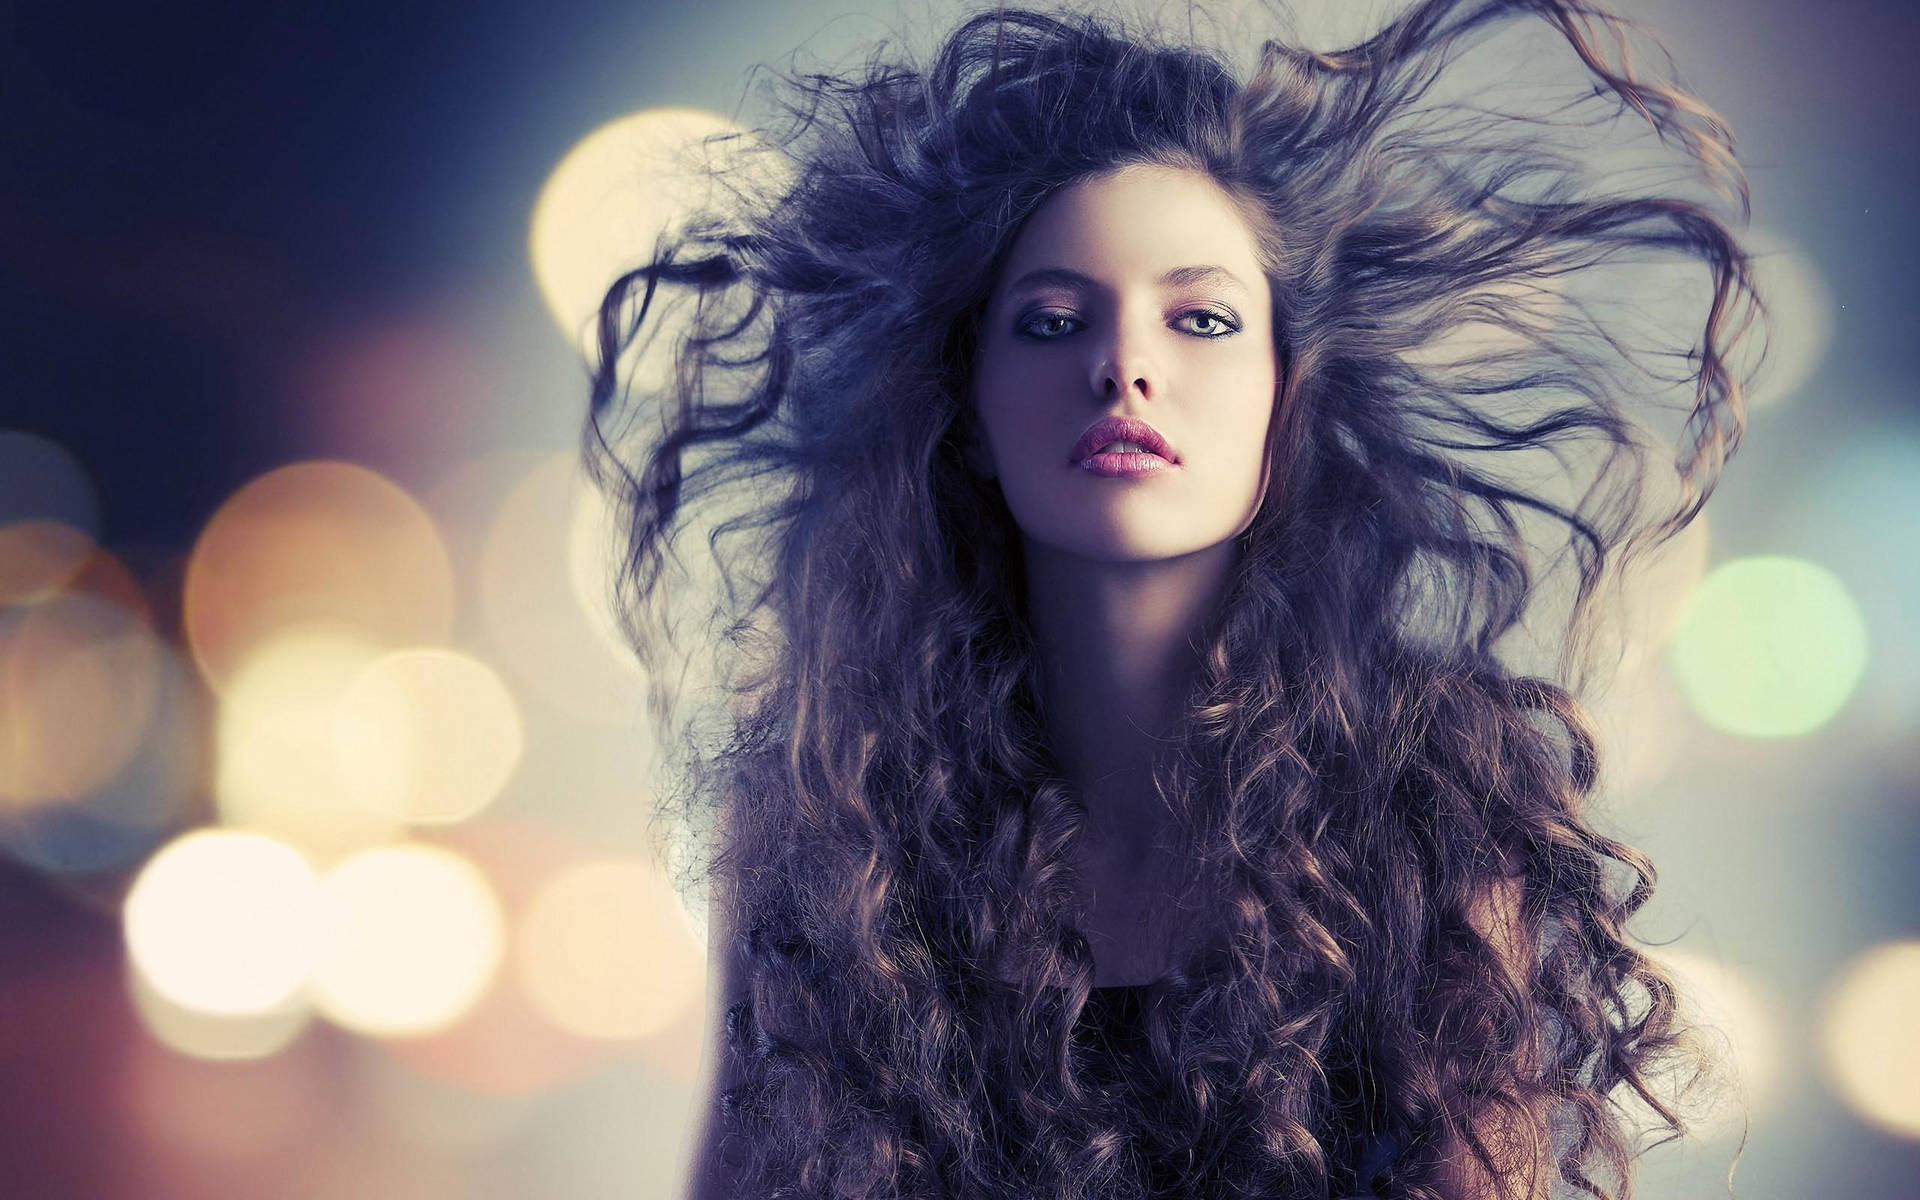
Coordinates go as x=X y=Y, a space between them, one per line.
x=1027 y=326
x=1225 y=322
x=1042 y=326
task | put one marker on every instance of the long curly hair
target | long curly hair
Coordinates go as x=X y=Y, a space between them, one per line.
x=854 y=727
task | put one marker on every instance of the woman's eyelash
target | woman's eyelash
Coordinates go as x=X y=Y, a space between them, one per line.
x=1027 y=326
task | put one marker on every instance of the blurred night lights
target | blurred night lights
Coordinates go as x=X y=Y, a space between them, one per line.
x=1770 y=646
x=125 y=818
x=1657 y=595
x=429 y=736
x=226 y=922
x=281 y=765
x=1854 y=505
x=219 y=1037
x=604 y=952
x=420 y=938
x=1871 y=1040
x=79 y=676
x=503 y=1045
x=615 y=192
x=1740 y=1027
x=315 y=541
x=1799 y=326
x=540 y=616
x=37 y=557
x=49 y=516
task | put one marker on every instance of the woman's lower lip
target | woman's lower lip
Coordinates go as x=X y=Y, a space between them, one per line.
x=1124 y=464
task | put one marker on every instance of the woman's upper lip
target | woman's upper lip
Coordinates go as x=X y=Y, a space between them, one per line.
x=1121 y=429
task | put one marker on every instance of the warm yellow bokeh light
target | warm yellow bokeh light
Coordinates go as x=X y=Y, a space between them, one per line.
x=315 y=542
x=118 y=824
x=1769 y=646
x=79 y=675
x=503 y=1046
x=218 y=1037
x=1642 y=725
x=594 y=554
x=546 y=635
x=611 y=196
x=603 y=952
x=428 y=736
x=37 y=557
x=1656 y=596
x=1799 y=329
x=280 y=765
x=1871 y=1039
x=421 y=937
x=226 y=922
x=1739 y=1026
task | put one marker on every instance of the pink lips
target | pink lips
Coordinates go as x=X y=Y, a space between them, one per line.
x=1122 y=429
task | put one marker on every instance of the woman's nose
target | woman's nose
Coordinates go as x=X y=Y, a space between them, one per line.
x=1122 y=367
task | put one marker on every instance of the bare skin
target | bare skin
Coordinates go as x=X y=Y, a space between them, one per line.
x=1136 y=294
x=1108 y=711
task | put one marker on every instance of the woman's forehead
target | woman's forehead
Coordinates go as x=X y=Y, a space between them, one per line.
x=1138 y=225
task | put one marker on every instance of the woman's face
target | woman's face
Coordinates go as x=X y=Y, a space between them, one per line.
x=1135 y=294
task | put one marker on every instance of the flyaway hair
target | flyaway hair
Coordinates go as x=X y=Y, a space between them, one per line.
x=1486 y=413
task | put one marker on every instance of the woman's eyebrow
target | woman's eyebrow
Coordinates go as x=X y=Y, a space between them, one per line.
x=1178 y=277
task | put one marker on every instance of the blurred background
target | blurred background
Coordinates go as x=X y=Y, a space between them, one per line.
x=325 y=868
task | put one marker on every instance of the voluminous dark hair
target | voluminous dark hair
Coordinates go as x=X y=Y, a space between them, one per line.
x=857 y=737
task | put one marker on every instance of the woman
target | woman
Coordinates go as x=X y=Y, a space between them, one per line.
x=1157 y=818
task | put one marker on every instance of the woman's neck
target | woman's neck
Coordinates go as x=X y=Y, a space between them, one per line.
x=1118 y=646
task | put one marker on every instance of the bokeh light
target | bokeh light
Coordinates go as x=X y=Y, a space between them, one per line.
x=49 y=516
x=218 y=1037
x=1740 y=1028
x=311 y=542
x=1643 y=725
x=1770 y=646
x=1853 y=506
x=543 y=627
x=79 y=672
x=428 y=736
x=1799 y=327
x=281 y=767
x=504 y=1045
x=228 y=1109
x=1871 y=1040
x=604 y=952
x=226 y=921
x=615 y=192
x=154 y=793
x=420 y=936
x=37 y=557
x=1655 y=597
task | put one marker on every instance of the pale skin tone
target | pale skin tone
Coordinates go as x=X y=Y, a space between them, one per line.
x=1123 y=573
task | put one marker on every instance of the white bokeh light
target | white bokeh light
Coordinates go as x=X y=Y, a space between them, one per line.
x=421 y=937
x=226 y=922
